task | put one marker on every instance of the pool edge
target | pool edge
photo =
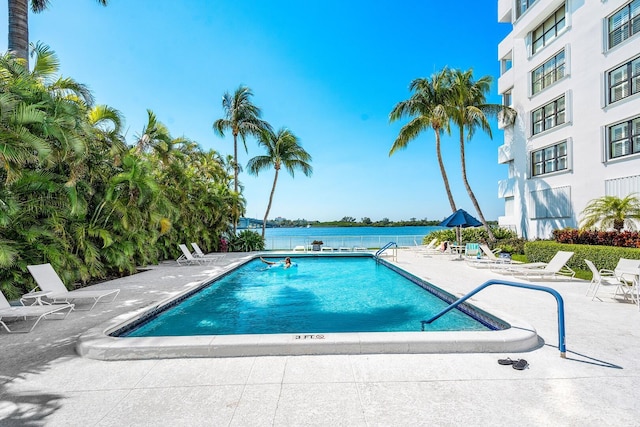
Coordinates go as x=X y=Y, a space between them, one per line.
x=96 y=343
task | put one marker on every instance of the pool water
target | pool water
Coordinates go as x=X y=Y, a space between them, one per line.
x=318 y=294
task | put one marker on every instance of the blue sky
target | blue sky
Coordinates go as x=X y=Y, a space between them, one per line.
x=331 y=71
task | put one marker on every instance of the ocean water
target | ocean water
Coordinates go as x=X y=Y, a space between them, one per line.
x=347 y=237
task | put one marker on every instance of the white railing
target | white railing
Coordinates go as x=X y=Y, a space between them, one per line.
x=337 y=242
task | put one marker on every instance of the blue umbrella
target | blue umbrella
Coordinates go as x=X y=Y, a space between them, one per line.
x=460 y=218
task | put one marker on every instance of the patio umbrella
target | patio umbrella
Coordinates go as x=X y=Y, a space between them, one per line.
x=460 y=219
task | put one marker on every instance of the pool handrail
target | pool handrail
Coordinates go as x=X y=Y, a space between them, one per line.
x=560 y=302
x=384 y=248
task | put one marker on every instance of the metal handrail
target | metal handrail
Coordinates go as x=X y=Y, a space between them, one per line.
x=384 y=248
x=561 y=335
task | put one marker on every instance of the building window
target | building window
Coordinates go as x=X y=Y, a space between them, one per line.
x=549 y=159
x=548 y=73
x=549 y=30
x=550 y=203
x=624 y=138
x=506 y=63
x=507 y=100
x=551 y=115
x=624 y=81
x=522 y=6
x=624 y=23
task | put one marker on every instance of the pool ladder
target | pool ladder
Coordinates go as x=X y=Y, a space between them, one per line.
x=394 y=254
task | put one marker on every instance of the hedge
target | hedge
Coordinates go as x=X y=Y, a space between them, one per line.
x=602 y=256
x=627 y=239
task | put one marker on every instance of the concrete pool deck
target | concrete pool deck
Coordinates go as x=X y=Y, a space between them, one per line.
x=44 y=382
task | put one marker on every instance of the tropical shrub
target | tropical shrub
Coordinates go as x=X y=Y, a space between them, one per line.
x=74 y=194
x=478 y=234
x=247 y=241
x=627 y=239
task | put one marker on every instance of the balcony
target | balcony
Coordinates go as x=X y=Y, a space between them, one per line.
x=505 y=81
x=505 y=153
x=505 y=8
x=506 y=188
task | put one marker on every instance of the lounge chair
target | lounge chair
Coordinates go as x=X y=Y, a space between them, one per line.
x=299 y=248
x=430 y=247
x=555 y=267
x=471 y=250
x=49 y=281
x=602 y=277
x=628 y=272
x=199 y=254
x=489 y=259
x=187 y=257
x=7 y=311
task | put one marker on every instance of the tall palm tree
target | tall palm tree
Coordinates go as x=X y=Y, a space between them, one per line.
x=242 y=118
x=428 y=108
x=469 y=111
x=283 y=150
x=612 y=211
x=19 y=25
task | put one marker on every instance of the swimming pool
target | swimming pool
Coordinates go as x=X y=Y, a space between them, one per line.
x=316 y=295
x=490 y=334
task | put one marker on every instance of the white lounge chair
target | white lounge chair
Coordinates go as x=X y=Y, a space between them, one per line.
x=187 y=257
x=431 y=246
x=555 y=267
x=602 y=277
x=199 y=254
x=7 y=311
x=628 y=272
x=49 y=281
x=299 y=248
x=489 y=259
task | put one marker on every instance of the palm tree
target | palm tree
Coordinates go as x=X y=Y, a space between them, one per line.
x=283 y=149
x=612 y=211
x=242 y=117
x=427 y=107
x=469 y=110
x=19 y=25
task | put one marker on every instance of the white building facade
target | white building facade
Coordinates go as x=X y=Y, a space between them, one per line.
x=571 y=70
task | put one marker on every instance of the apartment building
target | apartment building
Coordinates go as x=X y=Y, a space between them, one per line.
x=571 y=69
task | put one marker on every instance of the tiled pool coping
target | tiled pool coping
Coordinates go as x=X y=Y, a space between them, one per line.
x=98 y=344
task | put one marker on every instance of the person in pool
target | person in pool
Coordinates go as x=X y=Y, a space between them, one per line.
x=286 y=263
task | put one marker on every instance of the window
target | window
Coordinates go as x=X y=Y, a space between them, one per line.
x=549 y=30
x=551 y=115
x=624 y=138
x=548 y=73
x=624 y=81
x=549 y=159
x=506 y=63
x=550 y=203
x=624 y=23
x=507 y=100
x=522 y=6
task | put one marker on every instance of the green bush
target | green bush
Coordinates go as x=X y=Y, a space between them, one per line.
x=602 y=256
x=506 y=240
x=247 y=241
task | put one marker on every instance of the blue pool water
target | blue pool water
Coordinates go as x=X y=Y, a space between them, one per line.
x=319 y=294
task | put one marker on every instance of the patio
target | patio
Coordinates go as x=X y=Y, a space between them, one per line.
x=44 y=382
